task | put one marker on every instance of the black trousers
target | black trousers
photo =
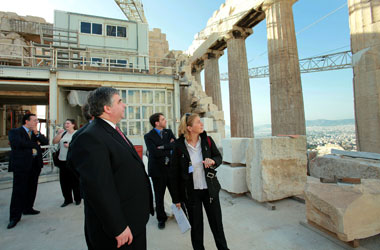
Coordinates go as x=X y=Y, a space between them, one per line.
x=159 y=186
x=214 y=216
x=69 y=183
x=24 y=190
x=138 y=243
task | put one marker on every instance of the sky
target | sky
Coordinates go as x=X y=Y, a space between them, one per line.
x=327 y=95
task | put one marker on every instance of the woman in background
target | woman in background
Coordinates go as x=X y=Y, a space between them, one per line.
x=69 y=182
x=195 y=156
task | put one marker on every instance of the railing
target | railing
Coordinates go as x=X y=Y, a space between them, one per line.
x=20 y=26
x=47 y=157
x=335 y=61
x=58 y=57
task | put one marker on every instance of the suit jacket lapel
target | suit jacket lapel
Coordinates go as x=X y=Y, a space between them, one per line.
x=120 y=139
x=25 y=134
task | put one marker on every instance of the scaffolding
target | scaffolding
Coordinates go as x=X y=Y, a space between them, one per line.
x=340 y=60
x=133 y=10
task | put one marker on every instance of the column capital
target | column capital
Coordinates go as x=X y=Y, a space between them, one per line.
x=268 y=3
x=238 y=32
x=212 y=54
x=196 y=68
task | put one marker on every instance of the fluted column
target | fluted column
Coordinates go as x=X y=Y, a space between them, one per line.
x=287 y=108
x=364 y=17
x=53 y=104
x=212 y=77
x=240 y=93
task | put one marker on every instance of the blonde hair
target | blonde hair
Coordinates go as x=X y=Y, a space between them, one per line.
x=186 y=120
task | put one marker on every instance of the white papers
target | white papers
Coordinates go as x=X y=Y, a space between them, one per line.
x=181 y=218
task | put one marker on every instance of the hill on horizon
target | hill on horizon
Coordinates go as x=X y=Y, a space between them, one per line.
x=319 y=122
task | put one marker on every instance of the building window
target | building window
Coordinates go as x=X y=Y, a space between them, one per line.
x=85 y=27
x=141 y=104
x=91 y=28
x=120 y=63
x=121 y=31
x=97 y=29
x=118 y=31
x=95 y=61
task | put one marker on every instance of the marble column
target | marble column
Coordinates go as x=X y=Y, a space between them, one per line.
x=287 y=108
x=364 y=17
x=212 y=77
x=53 y=104
x=240 y=93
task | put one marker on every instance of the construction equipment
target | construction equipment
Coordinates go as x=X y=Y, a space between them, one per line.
x=133 y=10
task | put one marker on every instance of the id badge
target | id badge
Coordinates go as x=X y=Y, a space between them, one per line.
x=191 y=169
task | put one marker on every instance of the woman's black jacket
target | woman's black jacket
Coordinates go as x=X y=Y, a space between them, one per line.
x=180 y=178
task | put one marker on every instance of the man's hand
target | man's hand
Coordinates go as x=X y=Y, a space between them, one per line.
x=208 y=162
x=125 y=237
x=171 y=140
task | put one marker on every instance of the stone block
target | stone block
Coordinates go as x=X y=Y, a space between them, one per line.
x=219 y=126
x=232 y=179
x=205 y=100
x=200 y=109
x=208 y=124
x=234 y=150
x=343 y=166
x=276 y=167
x=217 y=137
x=212 y=107
x=217 y=115
x=350 y=211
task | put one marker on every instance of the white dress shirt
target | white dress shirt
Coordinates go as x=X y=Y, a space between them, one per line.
x=196 y=157
x=110 y=123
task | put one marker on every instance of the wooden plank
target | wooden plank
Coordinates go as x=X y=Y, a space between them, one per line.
x=298 y=199
x=350 y=180
x=331 y=236
x=365 y=155
x=268 y=205
x=234 y=164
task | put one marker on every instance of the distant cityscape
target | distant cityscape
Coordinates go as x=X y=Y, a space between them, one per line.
x=319 y=133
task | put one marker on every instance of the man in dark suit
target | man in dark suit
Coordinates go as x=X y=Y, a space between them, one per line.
x=159 y=142
x=26 y=164
x=115 y=187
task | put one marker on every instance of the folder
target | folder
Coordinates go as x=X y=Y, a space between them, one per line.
x=181 y=218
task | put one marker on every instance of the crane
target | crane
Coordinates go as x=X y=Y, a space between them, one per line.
x=133 y=10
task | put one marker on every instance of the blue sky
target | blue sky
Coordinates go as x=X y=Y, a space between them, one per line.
x=327 y=95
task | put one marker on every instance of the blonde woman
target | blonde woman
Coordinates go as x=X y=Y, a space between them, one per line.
x=69 y=182
x=195 y=156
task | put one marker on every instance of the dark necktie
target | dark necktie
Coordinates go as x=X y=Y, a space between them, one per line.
x=122 y=135
x=34 y=151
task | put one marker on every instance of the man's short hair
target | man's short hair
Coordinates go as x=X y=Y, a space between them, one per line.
x=86 y=112
x=26 y=117
x=99 y=98
x=155 y=118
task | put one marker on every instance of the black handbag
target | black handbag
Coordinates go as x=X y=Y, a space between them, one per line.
x=56 y=161
x=213 y=184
